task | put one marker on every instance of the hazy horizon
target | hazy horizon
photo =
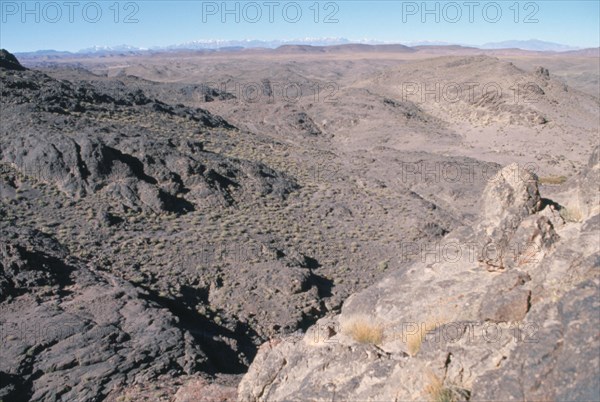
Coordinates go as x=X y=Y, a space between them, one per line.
x=215 y=44
x=72 y=26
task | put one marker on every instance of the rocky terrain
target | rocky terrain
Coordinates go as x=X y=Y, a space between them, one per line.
x=499 y=311
x=256 y=226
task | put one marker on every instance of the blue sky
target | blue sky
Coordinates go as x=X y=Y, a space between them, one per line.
x=74 y=25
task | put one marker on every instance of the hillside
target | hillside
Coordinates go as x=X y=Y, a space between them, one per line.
x=502 y=309
x=252 y=225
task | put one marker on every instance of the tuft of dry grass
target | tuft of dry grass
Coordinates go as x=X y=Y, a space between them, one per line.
x=576 y=211
x=437 y=390
x=553 y=180
x=362 y=329
x=414 y=340
x=572 y=214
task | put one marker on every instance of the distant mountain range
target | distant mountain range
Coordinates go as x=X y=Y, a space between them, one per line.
x=254 y=43
x=224 y=45
x=532 y=44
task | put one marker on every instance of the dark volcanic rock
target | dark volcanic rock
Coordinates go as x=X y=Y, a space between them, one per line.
x=303 y=123
x=68 y=143
x=92 y=327
x=542 y=72
x=203 y=93
x=64 y=322
x=74 y=333
x=9 y=61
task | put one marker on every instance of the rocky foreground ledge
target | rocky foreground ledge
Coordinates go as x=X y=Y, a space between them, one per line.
x=504 y=310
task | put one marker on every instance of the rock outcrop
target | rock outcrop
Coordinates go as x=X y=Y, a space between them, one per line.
x=88 y=139
x=518 y=324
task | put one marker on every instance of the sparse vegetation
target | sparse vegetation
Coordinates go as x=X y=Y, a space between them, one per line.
x=383 y=265
x=414 y=340
x=363 y=330
x=572 y=214
x=439 y=390
x=553 y=180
